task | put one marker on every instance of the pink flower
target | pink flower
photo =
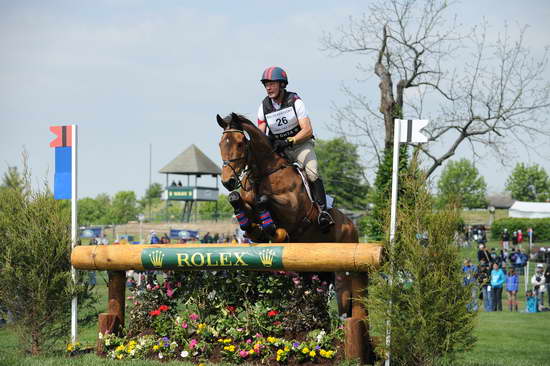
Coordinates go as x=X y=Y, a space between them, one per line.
x=194 y=317
x=170 y=292
x=148 y=287
x=249 y=340
x=243 y=354
x=319 y=290
x=184 y=325
x=193 y=343
x=315 y=278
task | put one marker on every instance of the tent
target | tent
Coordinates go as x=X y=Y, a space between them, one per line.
x=531 y=210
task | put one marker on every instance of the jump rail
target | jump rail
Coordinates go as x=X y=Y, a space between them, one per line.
x=300 y=257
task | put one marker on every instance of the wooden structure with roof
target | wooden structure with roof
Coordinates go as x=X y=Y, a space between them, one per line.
x=191 y=162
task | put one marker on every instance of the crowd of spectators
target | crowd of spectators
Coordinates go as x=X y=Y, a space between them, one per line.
x=499 y=270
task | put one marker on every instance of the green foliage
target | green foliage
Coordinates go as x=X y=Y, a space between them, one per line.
x=35 y=280
x=425 y=299
x=342 y=173
x=207 y=209
x=541 y=227
x=123 y=207
x=154 y=191
x=529 y=183
x=380 y=196
x=12 y=179
x=94 y=211
x=461 y=183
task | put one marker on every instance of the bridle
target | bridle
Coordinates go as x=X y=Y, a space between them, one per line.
x=244 y=157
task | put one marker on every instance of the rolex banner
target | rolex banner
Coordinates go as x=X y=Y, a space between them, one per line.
x=213 y=258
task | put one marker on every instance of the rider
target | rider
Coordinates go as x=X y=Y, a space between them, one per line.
x=283 y=115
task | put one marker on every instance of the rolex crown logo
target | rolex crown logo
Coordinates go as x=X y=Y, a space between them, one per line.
x=266 y=256
x=156 y=258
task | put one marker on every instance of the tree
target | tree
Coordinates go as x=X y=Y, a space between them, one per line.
x=342 y=173
x=411 y=45
x=94 y=211
x=207 y=209
x=123 y=208
x=35 y=278
x=461 y=183
x=154 y=191
x=425 y=301
x=529 y=183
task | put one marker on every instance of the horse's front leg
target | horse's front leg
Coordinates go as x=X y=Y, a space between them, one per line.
x=245 y=215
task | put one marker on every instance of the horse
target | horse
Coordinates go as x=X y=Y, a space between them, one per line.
x=269 y=183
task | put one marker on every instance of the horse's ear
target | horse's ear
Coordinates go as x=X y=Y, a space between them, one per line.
x=221 y=121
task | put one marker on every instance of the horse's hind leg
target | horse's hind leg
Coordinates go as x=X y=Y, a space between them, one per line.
x=342 y=286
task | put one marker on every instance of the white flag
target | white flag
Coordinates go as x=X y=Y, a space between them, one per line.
x=410 y=130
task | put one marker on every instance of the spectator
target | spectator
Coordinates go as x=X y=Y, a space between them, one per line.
x=483 y=279
x=531 y=302
x=547 y=281
x=206 y=238
x=498 y=278
x=515 y=239
x=512 y=286
x=538 y=282
x=165 y=239
x=495 y=258
x=520 y=237
x=483 y=254
x=506 y=239
x=154 y=238
x=104 y=240
x=520 y=261
x=470 y=275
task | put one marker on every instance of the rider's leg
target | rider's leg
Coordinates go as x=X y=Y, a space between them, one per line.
x=305 y=155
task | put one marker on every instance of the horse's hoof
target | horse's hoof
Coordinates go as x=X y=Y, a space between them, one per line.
x=280 y=235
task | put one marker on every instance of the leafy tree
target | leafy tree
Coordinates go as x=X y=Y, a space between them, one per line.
x=425 y=302
x=123 y=208
x=154 y=191
x=342 y=173
x=94 y=211
x=207 y=209
x=460 y=182
x=35 y=278
x=529 y=183
x=13 y=179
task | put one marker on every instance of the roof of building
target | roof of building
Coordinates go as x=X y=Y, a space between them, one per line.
x=500 y=200
x=191 y=161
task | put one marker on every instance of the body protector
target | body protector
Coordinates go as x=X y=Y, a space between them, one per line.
x=282 y=123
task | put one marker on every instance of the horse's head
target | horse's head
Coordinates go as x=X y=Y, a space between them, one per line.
x=234 y=150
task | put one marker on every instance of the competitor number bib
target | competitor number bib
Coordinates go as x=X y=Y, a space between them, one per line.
x=283 y=123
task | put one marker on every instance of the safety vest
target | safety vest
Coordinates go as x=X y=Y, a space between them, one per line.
x=283 y=122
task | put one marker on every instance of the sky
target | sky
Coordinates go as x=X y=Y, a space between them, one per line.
x=137 y=73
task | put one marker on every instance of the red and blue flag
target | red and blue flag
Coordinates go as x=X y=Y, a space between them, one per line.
x=63 y=145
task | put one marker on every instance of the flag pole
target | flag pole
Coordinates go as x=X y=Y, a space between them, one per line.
x=393 y=218
x=74 y=228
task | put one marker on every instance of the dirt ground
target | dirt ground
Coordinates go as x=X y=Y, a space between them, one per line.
x=213 y=227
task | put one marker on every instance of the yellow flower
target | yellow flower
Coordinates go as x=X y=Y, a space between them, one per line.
x=232 y=348
x=227 y=340
x=119 y=356
x=323 y=353
x=287 y=349
x=278 y=358
x=156 y=347
x=279 y=351
x=220 y=340
x=305 y=350
x=251 y=352
x=120 y=348
x=312 y=354
x=202 y=325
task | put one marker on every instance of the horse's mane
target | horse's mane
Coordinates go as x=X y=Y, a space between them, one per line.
x=242 y=123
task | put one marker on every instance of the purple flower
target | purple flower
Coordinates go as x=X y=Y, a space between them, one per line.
x=296 y=344
x=317 y=347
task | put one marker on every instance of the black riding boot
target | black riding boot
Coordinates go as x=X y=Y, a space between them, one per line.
x=320 y=197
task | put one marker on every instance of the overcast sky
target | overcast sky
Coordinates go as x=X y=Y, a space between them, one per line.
x=134 y=73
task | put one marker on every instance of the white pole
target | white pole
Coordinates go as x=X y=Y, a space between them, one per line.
x=393 y=220
x=74 y=228
x=527 y=267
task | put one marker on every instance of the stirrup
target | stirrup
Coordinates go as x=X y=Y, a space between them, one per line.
x=325 y=220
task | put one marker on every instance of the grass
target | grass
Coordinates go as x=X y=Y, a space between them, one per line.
x=504 y=338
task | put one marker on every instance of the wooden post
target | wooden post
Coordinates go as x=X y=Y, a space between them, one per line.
x=357 y=342
x=113 y=321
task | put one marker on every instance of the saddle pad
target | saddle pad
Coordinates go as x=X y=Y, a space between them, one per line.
x=298 y=167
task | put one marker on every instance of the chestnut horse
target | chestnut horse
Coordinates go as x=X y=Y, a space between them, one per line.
x=266 y=178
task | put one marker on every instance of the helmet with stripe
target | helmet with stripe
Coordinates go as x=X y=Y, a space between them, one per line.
x=275 y=73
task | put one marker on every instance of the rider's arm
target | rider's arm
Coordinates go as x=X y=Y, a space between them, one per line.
x=306 y=131
x=262 y=124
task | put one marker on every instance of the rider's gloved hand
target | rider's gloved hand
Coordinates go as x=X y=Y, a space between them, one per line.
x=281 y=145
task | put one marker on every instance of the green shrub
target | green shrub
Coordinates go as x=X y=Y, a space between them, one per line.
x=541 y=227
x=35 y=278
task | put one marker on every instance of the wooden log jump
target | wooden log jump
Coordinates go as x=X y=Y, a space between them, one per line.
x=299 y=257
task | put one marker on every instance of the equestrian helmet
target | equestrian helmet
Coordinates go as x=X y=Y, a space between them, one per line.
x=275 y=73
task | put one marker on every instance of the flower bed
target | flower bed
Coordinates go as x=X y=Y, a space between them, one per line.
x=272 y=318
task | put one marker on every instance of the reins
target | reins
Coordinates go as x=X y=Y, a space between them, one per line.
x=244 y=157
